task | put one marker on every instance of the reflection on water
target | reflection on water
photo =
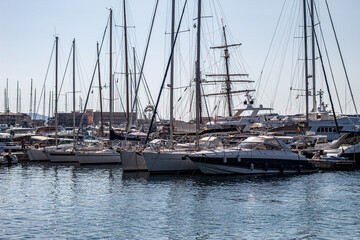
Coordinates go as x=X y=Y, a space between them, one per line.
x=46 y=201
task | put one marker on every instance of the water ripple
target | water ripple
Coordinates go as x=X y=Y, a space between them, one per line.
x=74 y=202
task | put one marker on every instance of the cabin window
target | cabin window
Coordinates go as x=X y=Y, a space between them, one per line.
x=266 y=146
x=247 y=145
x=272 y=147
x=273 y=142
x=262 y=147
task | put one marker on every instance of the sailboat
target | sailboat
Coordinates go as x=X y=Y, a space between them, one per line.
x=173 y=160
x=65 y=155
x=105 y=155
x=41 y=153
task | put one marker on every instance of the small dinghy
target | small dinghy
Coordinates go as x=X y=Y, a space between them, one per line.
x=8 y=158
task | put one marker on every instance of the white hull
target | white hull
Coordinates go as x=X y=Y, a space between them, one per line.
x=40 y=153
x=99 y=157
x=61 y=156
x=37 y=155
x=133 y=161
x=169 y=162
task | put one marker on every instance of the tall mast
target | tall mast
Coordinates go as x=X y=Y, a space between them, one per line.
x=135 y=87
x=126 y=66
x=110 y=74
x=5 y=100
x=50 y=101
x=172 y=76
x=44 y=101
x=34 y=114
x=228 y=83
x=17 y=97
x=56 y=90
x=100 y=88
x=74 y=92
x=306 y=63
x=313 y=55
x=198 y=97
x=31 y=90
x=7 y=96
x=19 y=100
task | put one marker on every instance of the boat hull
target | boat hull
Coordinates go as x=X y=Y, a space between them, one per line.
x=133 y=161
x=98 y=158
x=61 y=157
x=37 y=155
x=251 y=166
x=169 y=162
x=8 y=159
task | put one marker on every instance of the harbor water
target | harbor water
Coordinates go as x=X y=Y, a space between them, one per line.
x=44 y=201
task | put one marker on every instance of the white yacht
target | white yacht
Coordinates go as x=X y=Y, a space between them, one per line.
x=347 y=147
x=8 y=144
x=255 y=155
x=326 y=126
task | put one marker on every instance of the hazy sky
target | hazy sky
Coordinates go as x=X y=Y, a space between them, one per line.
x=27 y=30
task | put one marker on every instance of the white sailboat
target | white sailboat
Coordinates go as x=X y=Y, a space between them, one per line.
x=64 y=155
x=173 y=160
x=169 y=161
x=107 y=155
x=39 y=154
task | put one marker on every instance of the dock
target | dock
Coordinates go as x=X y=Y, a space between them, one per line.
x=332 y=164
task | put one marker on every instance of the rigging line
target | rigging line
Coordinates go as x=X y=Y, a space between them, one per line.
x=282 y=58
x=271 y=43
x=206 y=105
x=147 y=90
x=47 y=71
x=145 y=55
x=166 y=71
x=328 y=59
x=67 y=64
x=82 y=73
x=282 y=38
x=92 y=80
x=341 y=56
x=121 y=102
x=326 y=81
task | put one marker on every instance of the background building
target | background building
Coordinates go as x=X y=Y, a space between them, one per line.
x=15 y=119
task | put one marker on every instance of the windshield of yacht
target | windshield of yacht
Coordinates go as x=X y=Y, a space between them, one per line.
x=248 y=145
